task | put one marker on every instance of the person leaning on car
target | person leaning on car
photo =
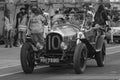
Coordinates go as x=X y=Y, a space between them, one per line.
x=100 y=22
x=36 y=26
x=101 y=19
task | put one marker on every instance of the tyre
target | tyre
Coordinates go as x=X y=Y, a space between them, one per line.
x=80 y=58
x=27 y=58
x=100 y=56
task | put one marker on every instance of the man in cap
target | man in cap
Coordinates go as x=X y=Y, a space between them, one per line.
x=36 y=27
x=19 y=17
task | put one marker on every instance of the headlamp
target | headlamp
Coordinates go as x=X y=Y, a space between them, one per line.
x=39 y=46
x=64 y=46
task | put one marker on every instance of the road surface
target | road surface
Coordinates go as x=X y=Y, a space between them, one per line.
x=10 y=68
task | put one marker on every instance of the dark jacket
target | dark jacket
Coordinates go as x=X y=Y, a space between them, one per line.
x=101 y=16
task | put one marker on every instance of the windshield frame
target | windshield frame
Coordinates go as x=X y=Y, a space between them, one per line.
x=70 y=25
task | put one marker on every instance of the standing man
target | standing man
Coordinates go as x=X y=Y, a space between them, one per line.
x=8 y=36
x=19 y=17
x=22 y=29
x=36 y=26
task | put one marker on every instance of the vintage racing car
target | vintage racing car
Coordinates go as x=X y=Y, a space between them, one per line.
x=64 y=44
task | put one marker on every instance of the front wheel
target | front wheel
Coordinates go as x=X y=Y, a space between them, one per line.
x=100 y=56
x=80 y=58
x=27 y=58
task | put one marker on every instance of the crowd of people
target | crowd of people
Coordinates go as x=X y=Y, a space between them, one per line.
x=28 y=20
x=31 y=21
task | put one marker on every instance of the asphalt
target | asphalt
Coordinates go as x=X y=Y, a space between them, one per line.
x=111 y=70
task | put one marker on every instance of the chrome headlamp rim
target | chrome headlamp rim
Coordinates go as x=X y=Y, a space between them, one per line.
x=64 y=46
x=39 y=45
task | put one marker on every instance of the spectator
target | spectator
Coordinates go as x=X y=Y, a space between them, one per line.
x=47 y=27
x=19 y=17
x=8 y=29
x=101 y=17
x=72 y=16
x=101 y=20
x=22 y=28
x=115 y=15
x=57 y=17
x=36 y=26
x=92 y=12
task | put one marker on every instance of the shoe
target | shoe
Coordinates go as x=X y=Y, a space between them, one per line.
x=10 y=46
x=6 y=46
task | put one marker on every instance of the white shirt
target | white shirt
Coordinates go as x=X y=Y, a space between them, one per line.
x=36 y=24
x=8 y=26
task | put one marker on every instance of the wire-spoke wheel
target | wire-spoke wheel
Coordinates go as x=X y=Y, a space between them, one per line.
x=80 y=58
x=27 y=58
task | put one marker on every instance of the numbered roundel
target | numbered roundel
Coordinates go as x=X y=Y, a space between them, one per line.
x=53 y=42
